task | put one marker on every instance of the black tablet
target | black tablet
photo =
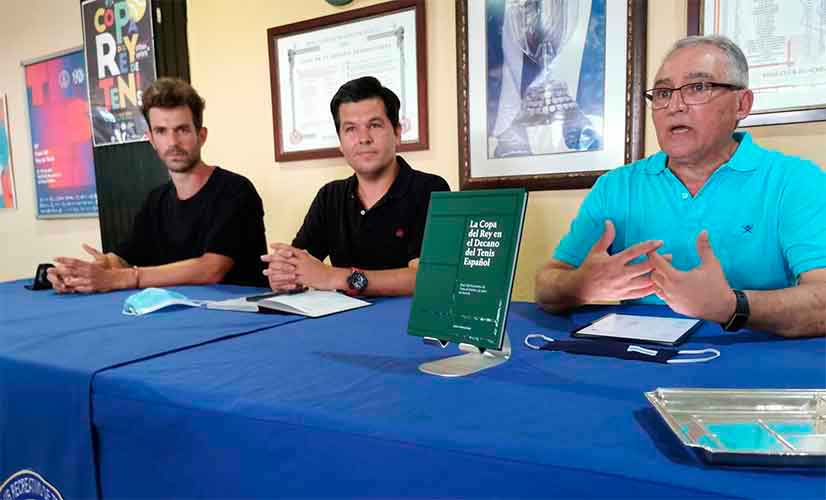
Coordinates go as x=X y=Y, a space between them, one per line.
x=643 y=329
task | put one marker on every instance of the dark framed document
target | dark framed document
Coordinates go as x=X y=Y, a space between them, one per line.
x=310 y=60
x=784 y=45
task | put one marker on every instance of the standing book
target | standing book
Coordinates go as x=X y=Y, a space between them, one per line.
x=467 y=266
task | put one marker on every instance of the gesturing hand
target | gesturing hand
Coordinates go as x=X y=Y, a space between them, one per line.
x=702 y=292
x=606 y=277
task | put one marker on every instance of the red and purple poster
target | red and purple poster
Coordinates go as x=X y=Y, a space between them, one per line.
x=6 y=174
x=120 y=55
x=61 y=136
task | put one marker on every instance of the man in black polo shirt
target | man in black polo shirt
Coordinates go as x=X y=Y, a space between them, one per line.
x=371 y=224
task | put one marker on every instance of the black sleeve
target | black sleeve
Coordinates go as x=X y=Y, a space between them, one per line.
x=313 y=233
x=414 y=249
x=238 y=224
x=136 y=250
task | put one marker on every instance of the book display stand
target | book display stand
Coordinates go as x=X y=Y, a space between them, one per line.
x=474 y=360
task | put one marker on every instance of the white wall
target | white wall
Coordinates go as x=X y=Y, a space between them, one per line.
x=28 y=30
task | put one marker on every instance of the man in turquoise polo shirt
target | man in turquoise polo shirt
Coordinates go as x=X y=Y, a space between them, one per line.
x=713 y=225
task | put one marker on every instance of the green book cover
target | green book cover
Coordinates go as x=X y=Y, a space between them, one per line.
x=467 y=266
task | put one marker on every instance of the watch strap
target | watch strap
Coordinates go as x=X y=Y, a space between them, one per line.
x=741 y=313
x=353 y=290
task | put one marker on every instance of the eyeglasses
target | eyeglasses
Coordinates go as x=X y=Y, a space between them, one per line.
x=692 y=93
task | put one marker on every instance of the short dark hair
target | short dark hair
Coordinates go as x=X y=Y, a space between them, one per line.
x=366 y=87
x=170 y=93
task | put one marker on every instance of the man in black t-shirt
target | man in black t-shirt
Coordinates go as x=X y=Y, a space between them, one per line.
x=371 y=224
x=206 y=225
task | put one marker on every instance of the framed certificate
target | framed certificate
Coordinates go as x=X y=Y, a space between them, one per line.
x=550 y=92
x=784 y=44
x=310 y=60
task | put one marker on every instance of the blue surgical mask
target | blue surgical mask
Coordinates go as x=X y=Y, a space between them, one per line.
x=152 y=299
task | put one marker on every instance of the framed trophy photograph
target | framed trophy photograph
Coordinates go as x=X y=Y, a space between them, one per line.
x=550 y=91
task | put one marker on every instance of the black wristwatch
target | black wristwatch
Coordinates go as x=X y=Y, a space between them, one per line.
x=357 y=282
x=741 y=313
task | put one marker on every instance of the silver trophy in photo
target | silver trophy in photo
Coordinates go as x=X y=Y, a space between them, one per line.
x=551 y=117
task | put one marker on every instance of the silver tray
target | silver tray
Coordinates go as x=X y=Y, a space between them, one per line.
x=748 y=427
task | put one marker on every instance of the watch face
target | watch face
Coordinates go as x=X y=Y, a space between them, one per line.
x=357 y=281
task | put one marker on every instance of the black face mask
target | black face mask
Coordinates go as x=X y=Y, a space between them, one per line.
x=623 y=350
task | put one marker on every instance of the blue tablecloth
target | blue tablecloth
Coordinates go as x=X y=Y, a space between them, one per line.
x=51 y=346
x=336 y=407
